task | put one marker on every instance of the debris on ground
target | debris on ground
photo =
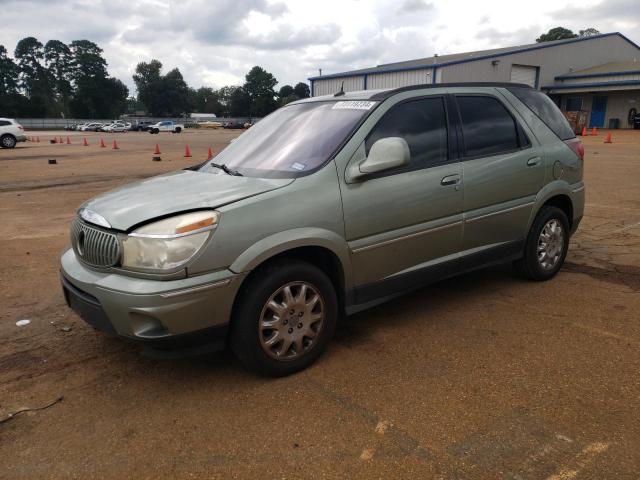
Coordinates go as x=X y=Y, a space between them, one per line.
x=12 y=415
x=22 y=323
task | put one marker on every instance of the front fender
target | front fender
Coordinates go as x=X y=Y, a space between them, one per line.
x=295 y=238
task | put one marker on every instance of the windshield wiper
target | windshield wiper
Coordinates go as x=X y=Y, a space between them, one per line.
x=226 y=169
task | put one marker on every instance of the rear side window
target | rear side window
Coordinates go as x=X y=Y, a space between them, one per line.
x=423 y=124
x=487 y=127
x=4 y=123
x=546 y=110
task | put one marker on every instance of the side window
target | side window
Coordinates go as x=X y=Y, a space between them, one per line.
x=487 y=126
x=4 y=123
x=423 y=124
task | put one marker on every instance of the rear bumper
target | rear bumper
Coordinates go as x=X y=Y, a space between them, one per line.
x=21 y=138
x=162 y=314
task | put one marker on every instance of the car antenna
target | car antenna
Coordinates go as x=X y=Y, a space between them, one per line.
x=341 y=92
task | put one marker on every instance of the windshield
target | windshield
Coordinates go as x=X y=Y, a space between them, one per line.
x=292 y=140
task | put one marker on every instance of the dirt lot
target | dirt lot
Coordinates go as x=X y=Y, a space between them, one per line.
x=484 y=376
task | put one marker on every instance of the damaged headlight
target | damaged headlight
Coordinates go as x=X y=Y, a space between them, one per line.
x=168 y=243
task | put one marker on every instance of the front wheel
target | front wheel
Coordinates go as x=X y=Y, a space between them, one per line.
x=284 y=319
x=546 y=245
x=8 y=141
x=177 y=130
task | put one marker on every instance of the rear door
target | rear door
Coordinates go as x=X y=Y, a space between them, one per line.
x=503 y=170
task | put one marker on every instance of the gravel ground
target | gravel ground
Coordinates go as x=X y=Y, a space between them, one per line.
x=483 y=376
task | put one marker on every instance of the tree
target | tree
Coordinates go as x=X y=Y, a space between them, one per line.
x=34 y=79
x=285 y=91
x=557 y=33
x=259 y=88
x=87 y=60
x=147 y=79
x=174 y=97
x=206 y=100
x=59 y=60
x=9 y=73
x=239 y=102
x=302 y=90
x=588 y=32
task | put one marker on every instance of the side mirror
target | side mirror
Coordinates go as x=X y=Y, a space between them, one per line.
x=385 y=154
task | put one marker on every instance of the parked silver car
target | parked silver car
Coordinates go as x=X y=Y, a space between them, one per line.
x=326 y=207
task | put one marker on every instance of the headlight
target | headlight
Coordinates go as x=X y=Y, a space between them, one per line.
x=169 y=243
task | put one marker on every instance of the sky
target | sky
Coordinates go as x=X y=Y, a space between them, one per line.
x=214 y=43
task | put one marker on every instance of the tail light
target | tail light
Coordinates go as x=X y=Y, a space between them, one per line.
x=20 y=127
x=576 y=145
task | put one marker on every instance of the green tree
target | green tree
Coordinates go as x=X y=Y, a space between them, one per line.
x=588 y=32
x=87 y=60
x=174 y=97
x=9 y=73
x=239 y=102
x=259 y=88
x=206 y=100
x=12 y=103
x=557 y=33
x=34 y=79
x=302 y=90
x=59 y=60
x=148 y=83
x=285 y=91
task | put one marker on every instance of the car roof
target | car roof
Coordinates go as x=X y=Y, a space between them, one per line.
x=382 y=94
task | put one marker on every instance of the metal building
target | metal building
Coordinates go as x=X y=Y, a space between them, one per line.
x=599 y=75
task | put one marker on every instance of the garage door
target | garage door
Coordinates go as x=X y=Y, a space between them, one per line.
x=524 y=74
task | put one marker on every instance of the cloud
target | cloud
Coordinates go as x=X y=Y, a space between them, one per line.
x=216 y=42
x=413 y=6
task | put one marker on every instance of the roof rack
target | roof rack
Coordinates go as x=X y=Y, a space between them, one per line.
x=388 y=93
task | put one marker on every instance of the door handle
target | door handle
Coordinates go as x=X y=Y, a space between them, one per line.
x=450 y=180
x=532 y=162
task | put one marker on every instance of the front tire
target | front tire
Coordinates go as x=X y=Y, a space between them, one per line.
x=177 y=130
x=8 y=141
x=546 y=245
x=284 y=318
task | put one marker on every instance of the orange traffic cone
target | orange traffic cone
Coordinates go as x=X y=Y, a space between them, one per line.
x=37 y=139
x=187 y=152
x=157 y=150
x=102 y=145
x=584 y=131
x=85 y=143
x=594 y=131
x=608 y=139
x=68 y=141
x=61 y=141
x=115 y=145
x=209 y=154
x=55 y=140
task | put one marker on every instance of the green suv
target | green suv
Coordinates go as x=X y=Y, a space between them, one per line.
x=326 y=207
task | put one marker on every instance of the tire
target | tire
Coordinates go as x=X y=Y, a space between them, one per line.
x=253 y=315
x=177 y=130
x=542 y=259
x=8 y=141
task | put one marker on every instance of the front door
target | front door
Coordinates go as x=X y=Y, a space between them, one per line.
x=406 y=224
x=598 y=110
x=503 y=170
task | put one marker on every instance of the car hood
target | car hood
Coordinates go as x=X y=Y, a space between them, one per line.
x=175 y=192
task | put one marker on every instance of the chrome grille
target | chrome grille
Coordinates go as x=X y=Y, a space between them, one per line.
x=94 y=246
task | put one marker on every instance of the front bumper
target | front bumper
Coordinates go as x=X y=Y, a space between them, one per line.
x=164 y=314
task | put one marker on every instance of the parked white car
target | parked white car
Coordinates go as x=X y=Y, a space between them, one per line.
x=115 y=127
x=11 y=132
x=166 y=126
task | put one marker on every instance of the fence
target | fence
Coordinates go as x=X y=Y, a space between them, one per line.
x=61 y=123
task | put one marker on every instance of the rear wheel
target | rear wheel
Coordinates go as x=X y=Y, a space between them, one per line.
x=546 y=245
x=8 y=141
x=178 y=130
x=285 y=317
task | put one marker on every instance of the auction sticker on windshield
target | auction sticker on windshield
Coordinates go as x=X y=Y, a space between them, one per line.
x=354 y=105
